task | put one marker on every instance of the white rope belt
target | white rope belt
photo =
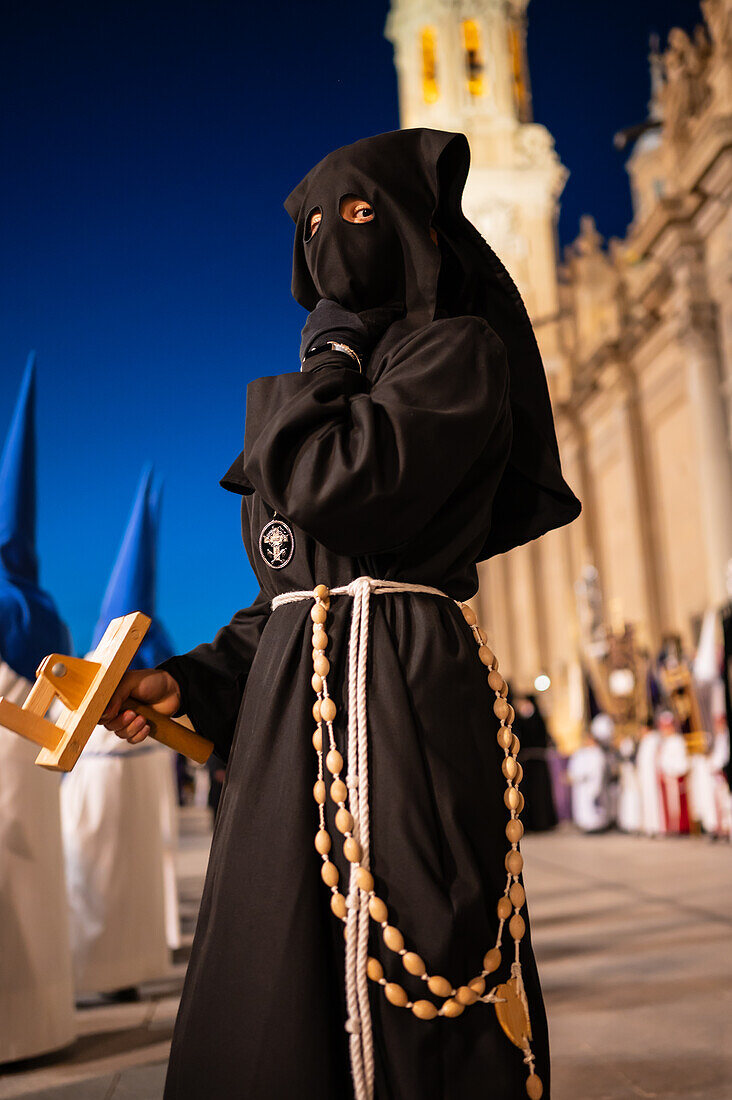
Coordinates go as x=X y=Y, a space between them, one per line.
x=357 y=995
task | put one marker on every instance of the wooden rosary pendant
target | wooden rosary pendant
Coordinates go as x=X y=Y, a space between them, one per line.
x=512 y=1015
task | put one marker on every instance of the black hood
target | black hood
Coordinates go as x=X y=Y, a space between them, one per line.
x=414 y=179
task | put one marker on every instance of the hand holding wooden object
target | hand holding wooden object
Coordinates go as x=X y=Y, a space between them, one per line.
x=88 y=689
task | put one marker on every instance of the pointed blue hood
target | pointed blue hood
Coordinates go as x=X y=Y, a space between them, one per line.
x=30 y=625
x=132 y=585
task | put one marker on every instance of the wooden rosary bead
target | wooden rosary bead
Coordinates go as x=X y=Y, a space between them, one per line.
x=534 y=1087
x=413 y=964
x=344 y=821
x=352 y=850
x=338 y=905
x=328 y=709
x=393 y=938
x=319 y=792
x=378 y=910
x=519 y=773
x=514 y=862
x=318 y=740
x=321 y=664
x=320 y=638
x=452 y=1008
x=322 y=842
x=317 y=683
x=495 y=681
x=338 y=790
x=469 y=615
x=520 y=807
x=334 y=761
x=316 y=710
x=517 y=894
x=512 y=798
x=492 y=960
x=515 y=746
x=396 y=995
x=329 y=873
x=505 y=738
x=374 y=969
x=501 y=709
x=439 y=986
x=486 y=656
x=516 y=926
x=364 y=880
x=478 y=986
x=424 y=1010
x=514 y=830
x=509 y=767
x=321 y=591
x=318 y=614
x=466 y=996
x=504 y=908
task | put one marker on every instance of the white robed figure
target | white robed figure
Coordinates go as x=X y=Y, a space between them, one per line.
x=629 y=795
x=36 y=993
x=588 y=774
x=652 y=821
x=709 y=792
x=119 y=808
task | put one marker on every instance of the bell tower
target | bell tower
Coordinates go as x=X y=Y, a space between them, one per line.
x=461 y=66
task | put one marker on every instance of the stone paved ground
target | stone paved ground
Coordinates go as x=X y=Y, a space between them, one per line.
x=634 y=939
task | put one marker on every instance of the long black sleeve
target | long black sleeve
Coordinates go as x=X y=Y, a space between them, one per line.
x=362 y=466
x=212 y=677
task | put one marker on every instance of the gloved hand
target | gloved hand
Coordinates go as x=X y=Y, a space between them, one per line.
x=361 y=331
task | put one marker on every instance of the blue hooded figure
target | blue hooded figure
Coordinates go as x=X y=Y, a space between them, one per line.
x=119 y=805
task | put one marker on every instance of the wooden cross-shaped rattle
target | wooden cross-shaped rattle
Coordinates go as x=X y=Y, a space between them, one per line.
x=84 y=687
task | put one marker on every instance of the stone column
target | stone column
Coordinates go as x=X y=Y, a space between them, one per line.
x=697 y=334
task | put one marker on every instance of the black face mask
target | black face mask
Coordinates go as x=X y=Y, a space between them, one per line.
x=358 y=265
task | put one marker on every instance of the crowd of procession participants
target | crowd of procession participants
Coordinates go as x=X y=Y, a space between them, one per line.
x=651 y=783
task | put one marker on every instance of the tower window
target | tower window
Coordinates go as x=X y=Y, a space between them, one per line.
x=473 y=57
x=430 y=89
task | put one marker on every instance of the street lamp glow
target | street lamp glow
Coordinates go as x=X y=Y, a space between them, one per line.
x=542 y=682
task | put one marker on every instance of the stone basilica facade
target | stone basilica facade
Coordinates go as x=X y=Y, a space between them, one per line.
x=636 y=335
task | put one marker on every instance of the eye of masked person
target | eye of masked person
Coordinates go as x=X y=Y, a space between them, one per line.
x=312 y=222
x=356 y=210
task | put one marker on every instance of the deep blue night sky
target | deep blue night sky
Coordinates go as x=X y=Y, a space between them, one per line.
x=146 y=255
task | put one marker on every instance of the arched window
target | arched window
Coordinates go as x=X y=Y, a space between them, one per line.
x=473 y=57
x=430 y=89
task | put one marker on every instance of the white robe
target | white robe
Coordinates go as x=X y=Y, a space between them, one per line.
x=708 y=790
x=673 y=765
x=118 y=810
x=36 y=990
x=587 y=773
x=649 y=784
x=629 y=799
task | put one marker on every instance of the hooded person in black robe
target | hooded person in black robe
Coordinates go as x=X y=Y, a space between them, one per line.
x=540 y=812
x=425 y=447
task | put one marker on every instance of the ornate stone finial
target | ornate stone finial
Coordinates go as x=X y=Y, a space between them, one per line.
x=686 y=90
x=655 y=65
x=718 y=18
x=589 y=241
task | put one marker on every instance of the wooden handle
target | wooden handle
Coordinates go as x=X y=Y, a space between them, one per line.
x=171 y=733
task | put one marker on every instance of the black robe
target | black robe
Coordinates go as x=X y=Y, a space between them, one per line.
x=390 y=474
x=540 y=812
